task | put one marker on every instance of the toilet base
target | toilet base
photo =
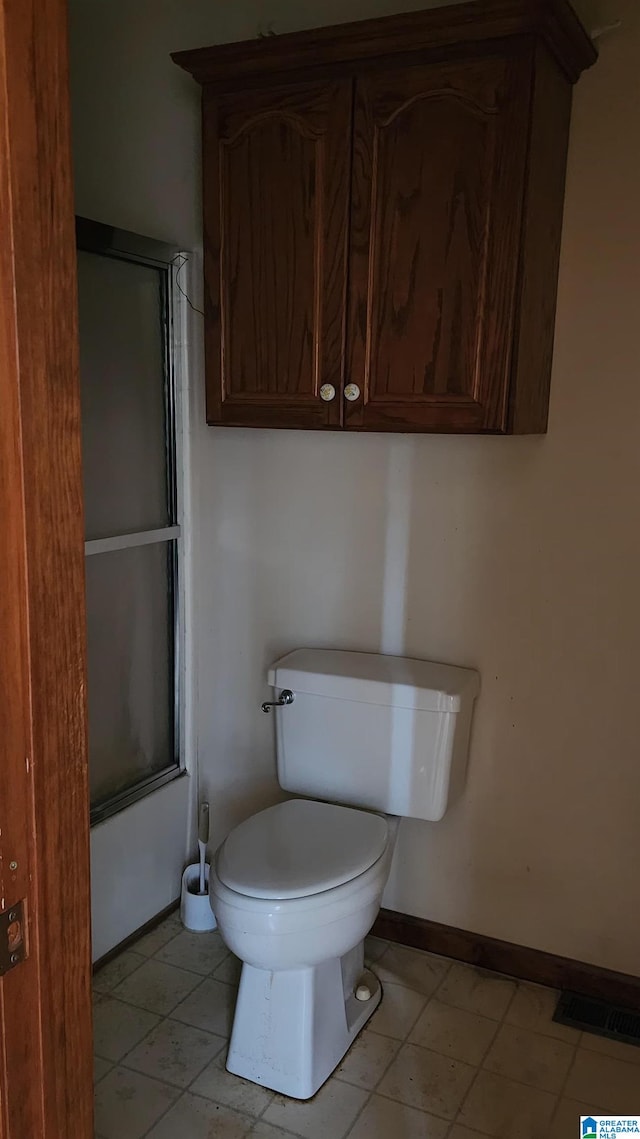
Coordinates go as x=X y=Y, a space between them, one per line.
x=292 y=1028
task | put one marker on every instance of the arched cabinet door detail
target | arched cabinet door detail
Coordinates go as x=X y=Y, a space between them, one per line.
x=438 y=171
x=383 y=210
x=276 y=192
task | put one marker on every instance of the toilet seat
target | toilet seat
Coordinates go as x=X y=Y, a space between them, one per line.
x=300 y=848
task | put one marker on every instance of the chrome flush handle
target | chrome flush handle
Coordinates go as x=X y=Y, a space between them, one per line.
x=285 y=697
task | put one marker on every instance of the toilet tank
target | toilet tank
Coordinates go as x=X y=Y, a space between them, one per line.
x=382 y=732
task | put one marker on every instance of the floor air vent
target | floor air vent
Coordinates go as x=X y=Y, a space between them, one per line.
x=598 y=1017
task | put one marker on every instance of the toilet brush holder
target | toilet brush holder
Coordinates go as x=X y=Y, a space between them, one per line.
x=195 y=909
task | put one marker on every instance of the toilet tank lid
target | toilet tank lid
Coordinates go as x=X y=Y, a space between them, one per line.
x=372 y=678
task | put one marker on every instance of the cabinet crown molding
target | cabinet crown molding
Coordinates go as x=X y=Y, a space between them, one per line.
x=320 y=51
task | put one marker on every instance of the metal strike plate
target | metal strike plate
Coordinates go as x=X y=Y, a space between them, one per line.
x=13 y=942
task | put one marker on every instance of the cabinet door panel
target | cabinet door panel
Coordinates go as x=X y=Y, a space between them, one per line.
x=276 y=203
x=436 y=206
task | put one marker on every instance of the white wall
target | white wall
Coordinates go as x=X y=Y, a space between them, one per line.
x=520 y=557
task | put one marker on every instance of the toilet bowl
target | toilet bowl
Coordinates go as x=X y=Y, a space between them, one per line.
x=303 y=958
x=366 y=739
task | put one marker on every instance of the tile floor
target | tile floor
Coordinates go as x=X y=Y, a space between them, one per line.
x=452 y=1053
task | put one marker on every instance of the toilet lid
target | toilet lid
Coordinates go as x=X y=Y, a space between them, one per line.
x=300 y=848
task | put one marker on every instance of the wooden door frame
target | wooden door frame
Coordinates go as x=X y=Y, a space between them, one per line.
x=46 y=1082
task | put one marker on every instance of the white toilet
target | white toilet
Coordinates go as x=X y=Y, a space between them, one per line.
x=366 y=739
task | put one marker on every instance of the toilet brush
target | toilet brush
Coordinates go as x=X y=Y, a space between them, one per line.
x=195 y=906
x=203 y=838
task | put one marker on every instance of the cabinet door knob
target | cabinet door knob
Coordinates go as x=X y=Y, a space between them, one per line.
x=352 y=392
x=327 y=392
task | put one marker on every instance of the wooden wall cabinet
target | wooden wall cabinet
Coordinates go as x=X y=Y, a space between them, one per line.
x=382 y=217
